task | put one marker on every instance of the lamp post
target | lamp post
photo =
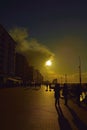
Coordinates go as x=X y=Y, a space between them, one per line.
x=65 y=78
x=48 y=64
x=80 y=78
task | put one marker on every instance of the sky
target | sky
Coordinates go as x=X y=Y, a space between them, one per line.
x=49 y=29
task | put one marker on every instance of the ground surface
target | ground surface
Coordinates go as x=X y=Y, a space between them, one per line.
x=34 y=109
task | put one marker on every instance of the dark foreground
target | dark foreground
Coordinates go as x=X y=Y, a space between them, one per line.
x=34 y=109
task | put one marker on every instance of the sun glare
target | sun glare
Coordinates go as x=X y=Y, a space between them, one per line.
x=48 y=63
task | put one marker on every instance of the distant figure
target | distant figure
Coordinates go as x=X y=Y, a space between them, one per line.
x=65 y=93
x=57 y=94
x=78 y=93
x=47 y=85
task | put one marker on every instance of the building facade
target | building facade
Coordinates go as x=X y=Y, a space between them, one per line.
x=27 y=73
x=14 y=66
x=7 y=55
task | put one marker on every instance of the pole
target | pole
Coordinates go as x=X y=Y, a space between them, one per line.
x=65 y=78
x=80 y=78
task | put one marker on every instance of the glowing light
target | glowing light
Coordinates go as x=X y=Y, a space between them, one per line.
x=48 y=63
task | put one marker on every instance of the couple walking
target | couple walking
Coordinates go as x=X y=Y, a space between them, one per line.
x=57 y=93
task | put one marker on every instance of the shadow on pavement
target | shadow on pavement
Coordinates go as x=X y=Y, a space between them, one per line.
x=84 y=106
x=79 y=124
x=63 y=122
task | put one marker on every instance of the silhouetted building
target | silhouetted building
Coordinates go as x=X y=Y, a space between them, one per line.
x=38 y=78
x=22 y=69
x=28 y=74
x=21 y=66
x=7 y=55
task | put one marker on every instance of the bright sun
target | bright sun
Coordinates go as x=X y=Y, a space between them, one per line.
x=48 y=63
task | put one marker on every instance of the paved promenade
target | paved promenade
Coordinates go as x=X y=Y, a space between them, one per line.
x=34 y=109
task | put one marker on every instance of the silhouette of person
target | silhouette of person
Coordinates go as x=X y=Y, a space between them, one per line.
x=47 y=85
x=57 y=94
x=65 y=93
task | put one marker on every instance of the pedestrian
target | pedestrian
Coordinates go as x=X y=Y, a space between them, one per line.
x=65 y=93
x=47 y=85
x=57 y=94
x=78 y=93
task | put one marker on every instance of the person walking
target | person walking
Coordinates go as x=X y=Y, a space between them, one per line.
x=57 y=94
x=78 y=93
x=65 y=93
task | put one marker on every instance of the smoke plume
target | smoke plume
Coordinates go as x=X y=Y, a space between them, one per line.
x=36 y=53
